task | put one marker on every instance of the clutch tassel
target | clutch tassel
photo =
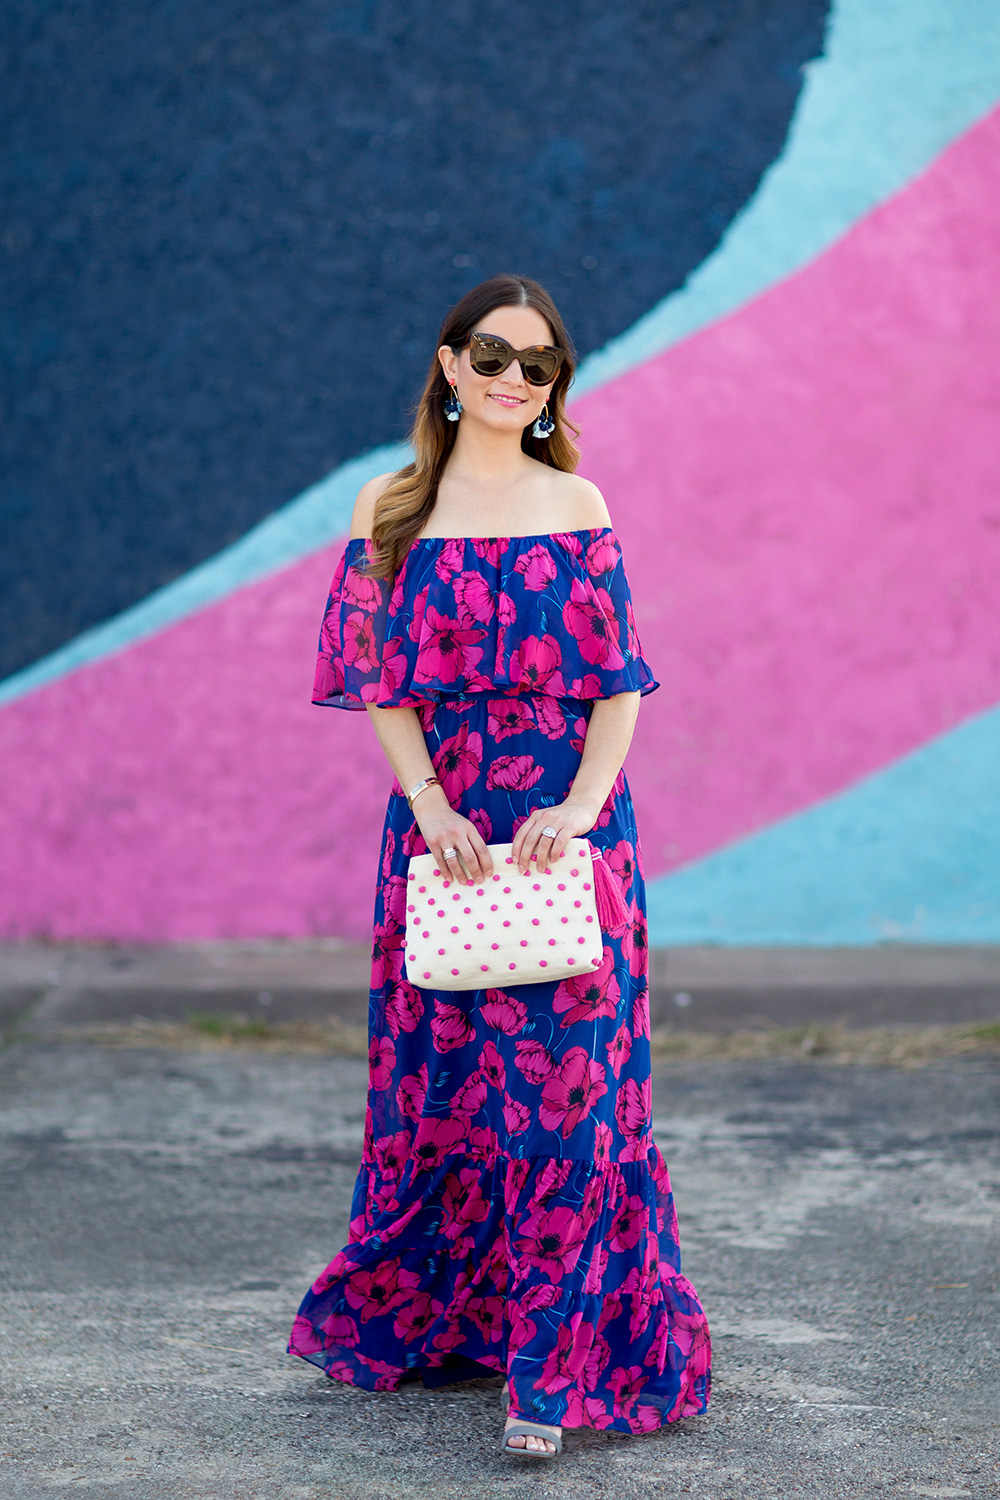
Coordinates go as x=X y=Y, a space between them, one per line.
x=612 y=912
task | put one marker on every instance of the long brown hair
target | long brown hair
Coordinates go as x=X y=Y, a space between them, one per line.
x=402 y=509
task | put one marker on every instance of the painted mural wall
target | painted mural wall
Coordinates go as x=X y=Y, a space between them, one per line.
x=775 y=232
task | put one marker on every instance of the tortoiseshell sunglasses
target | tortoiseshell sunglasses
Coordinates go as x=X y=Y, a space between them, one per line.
x=490 y=355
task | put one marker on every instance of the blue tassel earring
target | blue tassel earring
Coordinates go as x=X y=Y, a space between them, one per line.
x=452 y=405
x=544 y=426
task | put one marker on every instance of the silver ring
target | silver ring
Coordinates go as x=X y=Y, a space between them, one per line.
x=550 y=833
x=449 y=853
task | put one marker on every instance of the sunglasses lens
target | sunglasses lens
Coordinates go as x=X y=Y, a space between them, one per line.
x=539 y=367
x=489 y=356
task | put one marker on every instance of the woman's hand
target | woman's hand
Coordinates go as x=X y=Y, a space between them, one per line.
x=444 y=829
x=570 y=819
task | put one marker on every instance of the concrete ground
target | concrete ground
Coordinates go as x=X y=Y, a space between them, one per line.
x=164 y=1210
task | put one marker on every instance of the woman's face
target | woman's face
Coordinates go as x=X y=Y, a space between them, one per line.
x=505 y=402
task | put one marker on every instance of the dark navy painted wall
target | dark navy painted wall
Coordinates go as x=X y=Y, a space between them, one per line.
x=230 y=230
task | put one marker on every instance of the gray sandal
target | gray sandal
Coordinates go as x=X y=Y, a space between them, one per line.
x=531 y=1429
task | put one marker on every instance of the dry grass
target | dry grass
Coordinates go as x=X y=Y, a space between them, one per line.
x=895 y=1046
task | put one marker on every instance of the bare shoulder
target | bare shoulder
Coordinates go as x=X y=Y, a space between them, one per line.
x=364 y=505
x=581 y=502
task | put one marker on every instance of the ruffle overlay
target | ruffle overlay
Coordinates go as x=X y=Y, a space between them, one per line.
x=474 y=1262
x=549 y=614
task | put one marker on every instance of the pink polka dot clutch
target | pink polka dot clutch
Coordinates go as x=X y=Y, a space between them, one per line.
x=513 y=928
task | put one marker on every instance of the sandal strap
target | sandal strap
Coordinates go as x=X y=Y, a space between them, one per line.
x=532 y=1429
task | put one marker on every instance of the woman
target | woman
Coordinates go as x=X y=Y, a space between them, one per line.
x=512 y=1214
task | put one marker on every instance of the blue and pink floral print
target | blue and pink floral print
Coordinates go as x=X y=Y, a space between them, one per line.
x=512 y=1214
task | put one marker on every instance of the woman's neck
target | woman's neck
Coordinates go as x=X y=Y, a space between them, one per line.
x=486 y=458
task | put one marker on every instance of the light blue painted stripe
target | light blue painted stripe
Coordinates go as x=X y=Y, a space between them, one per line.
x=318 y=516
x=899 y=80
x=909 y=854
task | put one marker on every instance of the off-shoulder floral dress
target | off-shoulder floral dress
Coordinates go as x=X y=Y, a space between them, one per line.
x=512 y=1214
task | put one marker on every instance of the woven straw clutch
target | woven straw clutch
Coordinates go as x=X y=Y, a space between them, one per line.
x=511 y=929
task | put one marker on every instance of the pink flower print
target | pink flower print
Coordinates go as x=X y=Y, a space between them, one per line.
x=304 y=1338
x=448 y=649
x=387 y=955
x=542 y=1294
x=550 y=718
x=522 y=1329
x=517 y=1175
x=392 y=1152
x=329 y=677
x=469 y=1097
x=571 y=1093
x=534 y=1061
x=534 y=666
x=341 y=1329
x=450 y=1338
x=360 y=650
x=483 y=1143
x=595 y=1275
x=491 y=548
x=632 y=1107
x=513 y=773
x=619 y=1050
x=475 y=599
x=597 y=1362
x=450 y=1027
x=483 y=822
x=634 y=943
x=487 y=1314
x=579 y=736
x=503 y=1013
x=403 y=1008
x=395 y=667
x=639 y=1321
x=588 y=686
x=626 y=1384
x=516 y=1116
x=603 y=1142
x=389 y=851
x=629 y=1225
x=492 y=1068
x=457 y=762
x=412 y=1092
x=537 y=567
x=381 y=1061
x=589 y=615
x=622 y=861
x=587 y=996
x=571 y=543
x=381 y=1289
x=338 y=1268
x=640 y=1014
x=362 y=590
x=585 y=1411
x=451 y=556
x=394 y=900
x=413 y=841
x=436 y=1140
x=463 y=1202
x=551 y=1240
x=567 y=1359
x=603 y=555
x=509 y=716
x=414 y=1318
x=418 y=609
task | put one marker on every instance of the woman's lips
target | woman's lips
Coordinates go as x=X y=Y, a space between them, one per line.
x=508 y=400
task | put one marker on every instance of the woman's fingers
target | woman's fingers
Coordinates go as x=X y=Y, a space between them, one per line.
x=462 y=855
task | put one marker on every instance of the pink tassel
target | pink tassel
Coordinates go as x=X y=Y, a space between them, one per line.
x=612 y=912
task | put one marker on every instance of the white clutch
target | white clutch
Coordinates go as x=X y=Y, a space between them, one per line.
x=511 y=929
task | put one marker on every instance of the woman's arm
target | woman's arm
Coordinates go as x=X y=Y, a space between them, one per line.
x=609 y=735
x=402 y=739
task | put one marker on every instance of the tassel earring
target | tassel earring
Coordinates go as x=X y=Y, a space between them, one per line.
x=544 y=426
x=452 y=406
